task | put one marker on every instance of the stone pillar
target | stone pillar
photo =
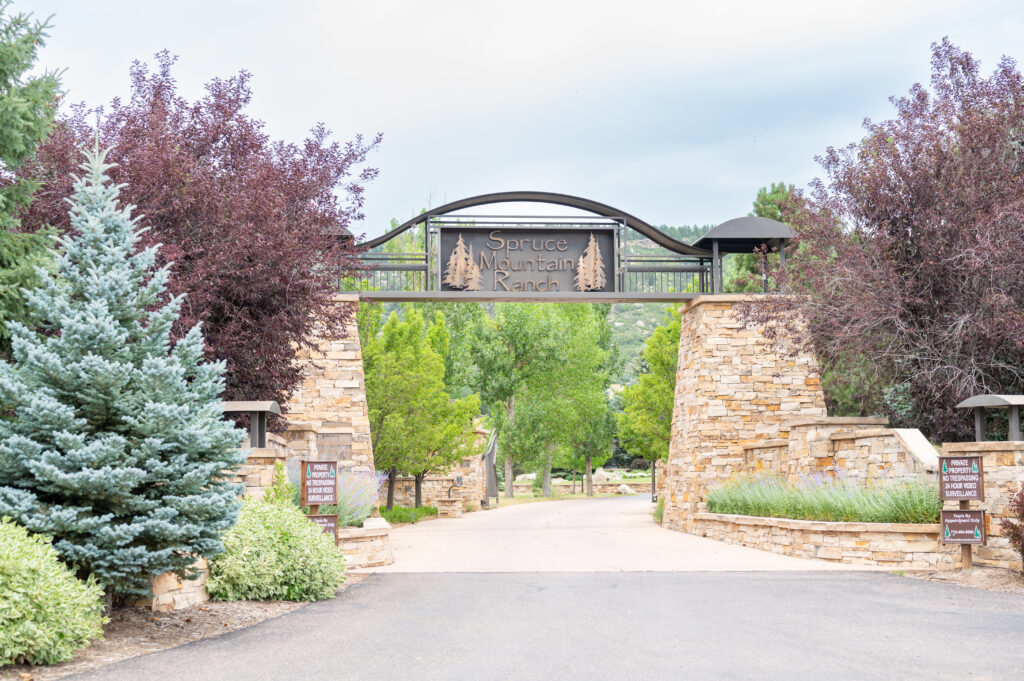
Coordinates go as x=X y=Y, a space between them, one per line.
x=733 y=388
x=327 y=415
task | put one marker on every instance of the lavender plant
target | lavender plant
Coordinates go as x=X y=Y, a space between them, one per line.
x=357 y=495
x=821 y=497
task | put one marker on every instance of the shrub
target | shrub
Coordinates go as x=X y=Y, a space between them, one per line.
x=824 y=498
x=1013 y=529
x=46 y=613
x=659 y=510
x=357 y=495
x=276 y=553
x=399 y=515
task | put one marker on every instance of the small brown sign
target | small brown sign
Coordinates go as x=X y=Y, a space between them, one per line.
x=963 y=527
x=961 y=477
x=319 y=482
x=327 y=523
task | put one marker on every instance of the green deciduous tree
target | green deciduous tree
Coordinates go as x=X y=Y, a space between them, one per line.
x=416 y=427
x=27 y=109
x=645 y=423
x=112 y=439
x=515 y=345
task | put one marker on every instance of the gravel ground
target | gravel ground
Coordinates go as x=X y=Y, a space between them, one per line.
x=138 y=631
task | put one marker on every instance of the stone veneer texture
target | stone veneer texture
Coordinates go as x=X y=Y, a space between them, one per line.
x=733 y=388
x=327 y=415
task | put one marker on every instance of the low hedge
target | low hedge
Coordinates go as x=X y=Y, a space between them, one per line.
x=46 y=613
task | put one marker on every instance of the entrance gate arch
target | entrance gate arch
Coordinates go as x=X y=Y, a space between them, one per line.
x=734 y=387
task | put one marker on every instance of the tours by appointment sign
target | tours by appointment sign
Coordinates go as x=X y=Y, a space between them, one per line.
x=527 y=260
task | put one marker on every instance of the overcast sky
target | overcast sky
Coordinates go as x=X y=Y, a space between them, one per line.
x=673 y=111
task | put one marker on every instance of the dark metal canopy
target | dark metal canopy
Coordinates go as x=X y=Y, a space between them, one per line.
x=601 y=209
x=743 y=235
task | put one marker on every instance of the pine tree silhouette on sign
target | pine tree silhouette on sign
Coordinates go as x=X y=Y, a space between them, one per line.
x=590 y=274
x=474 y=278
x=456 y=271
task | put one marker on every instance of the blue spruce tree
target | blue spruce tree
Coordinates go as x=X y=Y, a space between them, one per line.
x=111 y=439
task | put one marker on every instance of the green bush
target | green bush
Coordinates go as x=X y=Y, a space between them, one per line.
x=406 y=515
x=825 y=498
x=46 y=613
x=659 y=510
x=275 y=553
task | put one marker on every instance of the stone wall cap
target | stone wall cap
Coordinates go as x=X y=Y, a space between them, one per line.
x=982 y=446
x=914 y=441
x=376 y=523
x=345 y=298
x=713 y=298
x=361 y=532
x=863 y=432
x=835 y=421
x=820 y=525
x=764 y=444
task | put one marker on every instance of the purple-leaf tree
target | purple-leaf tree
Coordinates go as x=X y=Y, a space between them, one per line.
x=910 y=256
x=258 y=230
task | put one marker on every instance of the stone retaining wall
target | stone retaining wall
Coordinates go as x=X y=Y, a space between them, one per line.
x=599 y=487
x=367 y=546
x=470 y=492
x=890 y=545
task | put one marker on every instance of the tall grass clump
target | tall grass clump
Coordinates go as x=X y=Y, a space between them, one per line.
x=357 y=495
x=825 y=498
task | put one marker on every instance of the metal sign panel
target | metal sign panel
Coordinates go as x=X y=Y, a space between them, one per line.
x=962 y=527
x=529 y=261
x=318 y=482
x=961 y=477
x=327 y=523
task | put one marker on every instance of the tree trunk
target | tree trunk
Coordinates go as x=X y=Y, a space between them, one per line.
x=510 y=409
x=392 y=475
x=418 y=483
x=546 y=489
x=508 y=477
x=654 y=480
x=590 y=479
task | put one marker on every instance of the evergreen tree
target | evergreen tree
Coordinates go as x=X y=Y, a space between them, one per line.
x=27 y=108
x=112 y=439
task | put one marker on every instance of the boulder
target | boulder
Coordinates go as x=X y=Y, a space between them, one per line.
x=526 y=477
x=624 y=489
x=601 y=475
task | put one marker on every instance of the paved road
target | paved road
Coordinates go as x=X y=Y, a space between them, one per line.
x=614 y=624
x=609 y=534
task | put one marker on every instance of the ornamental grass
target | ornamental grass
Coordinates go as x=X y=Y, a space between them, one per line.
x=822 y=497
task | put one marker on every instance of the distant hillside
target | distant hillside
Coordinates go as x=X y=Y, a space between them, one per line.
x=632 y=323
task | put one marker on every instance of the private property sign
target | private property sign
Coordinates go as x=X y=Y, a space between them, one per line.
x=961 y=477
x=318 y=482
x=963 y=527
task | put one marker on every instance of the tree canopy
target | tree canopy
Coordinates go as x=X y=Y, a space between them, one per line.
x=909 y=258
x=27 y=109
x=256 y=230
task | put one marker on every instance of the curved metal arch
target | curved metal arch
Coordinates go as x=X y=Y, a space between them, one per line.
x=604 y=210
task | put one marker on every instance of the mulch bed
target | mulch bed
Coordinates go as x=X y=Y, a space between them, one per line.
x=139 y=631
x=990 y=578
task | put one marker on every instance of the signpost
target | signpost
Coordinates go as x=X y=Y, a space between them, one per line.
x=962 y=478
x=318 y=484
